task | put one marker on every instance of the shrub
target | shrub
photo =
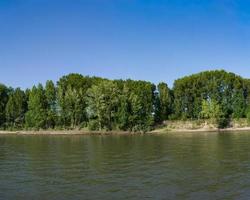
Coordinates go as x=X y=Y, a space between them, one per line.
x=93 y=125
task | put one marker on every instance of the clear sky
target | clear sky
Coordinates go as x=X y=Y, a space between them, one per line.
x=154 y=40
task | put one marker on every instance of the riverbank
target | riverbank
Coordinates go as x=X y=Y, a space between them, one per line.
x=187 y=126
x=65 y=132
x=156 y=131
x=201 y=126
x=200 y=130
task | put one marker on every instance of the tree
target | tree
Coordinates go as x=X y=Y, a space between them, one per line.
x=50 y=93
x=78 y=101
x=163 y=102
x=16 y=108
x=71 y=99
x=3 y=101
x=238 y=104
x=212 y=110
x=141 y=97
x=228 y=89
x=248 y=113
x=123 y=112
x=102 y=104
x=36 y=117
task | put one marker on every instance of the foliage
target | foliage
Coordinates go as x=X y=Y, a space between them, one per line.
x=102 y=102
x=50 y=93
x=78 y=101
x=71 y=99
x=163 y=102
x=227 y=89
x=238 y=104
x=3 y=101
x=248 y=117
x=211 y=109
x=16 y=108
x=140 y=97
x=36 y=117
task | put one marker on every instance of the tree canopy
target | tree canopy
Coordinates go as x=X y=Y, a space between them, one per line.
x=78 y=101
x=229 y=90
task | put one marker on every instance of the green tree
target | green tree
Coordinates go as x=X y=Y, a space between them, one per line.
x=123 y=112
x=238 y=104
x=36 y=117
x=141 y=98
x=3 y=101
x=78 y=101
x=228 y=89
x=163 y=102
x=50 y=93
x=16 y=108
x=102 y=104
x=248 y=113
x=212 y=110
x=71 y=99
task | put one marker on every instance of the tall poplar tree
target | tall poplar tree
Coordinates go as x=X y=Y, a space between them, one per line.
x=16 y=108
x=3 y=101
x=50 y=93
x=36 y=117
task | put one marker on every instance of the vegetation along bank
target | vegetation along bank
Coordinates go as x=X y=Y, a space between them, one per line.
x=216 y=98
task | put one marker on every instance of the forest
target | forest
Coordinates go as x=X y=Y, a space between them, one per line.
x=98 y=104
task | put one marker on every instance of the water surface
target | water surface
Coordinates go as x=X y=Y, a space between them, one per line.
x=168 y=166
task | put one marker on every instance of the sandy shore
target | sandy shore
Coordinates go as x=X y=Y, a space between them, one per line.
x=65 y=132
x=200 y=130
x=156 y=131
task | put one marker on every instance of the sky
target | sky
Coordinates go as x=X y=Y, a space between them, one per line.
x=153 y=40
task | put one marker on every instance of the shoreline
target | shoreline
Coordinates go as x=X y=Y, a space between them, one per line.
x=156 y=131
x=200 y=130
x=65 y=132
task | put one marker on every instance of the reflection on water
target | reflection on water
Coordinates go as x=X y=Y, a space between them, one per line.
x=170 y=166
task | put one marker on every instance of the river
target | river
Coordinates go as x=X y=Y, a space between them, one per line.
x=165 y=166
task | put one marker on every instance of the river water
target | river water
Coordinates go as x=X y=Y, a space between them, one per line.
x=167 y=166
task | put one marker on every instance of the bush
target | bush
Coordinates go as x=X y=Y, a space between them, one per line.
x=248 y=117
x=222 y=122
x=93 y=125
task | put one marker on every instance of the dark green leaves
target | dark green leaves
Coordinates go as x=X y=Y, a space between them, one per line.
x=78 y=101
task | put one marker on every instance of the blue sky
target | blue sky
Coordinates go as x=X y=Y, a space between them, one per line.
x=154 y=40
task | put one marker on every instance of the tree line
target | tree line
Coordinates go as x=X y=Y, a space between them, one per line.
x=77 y=101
